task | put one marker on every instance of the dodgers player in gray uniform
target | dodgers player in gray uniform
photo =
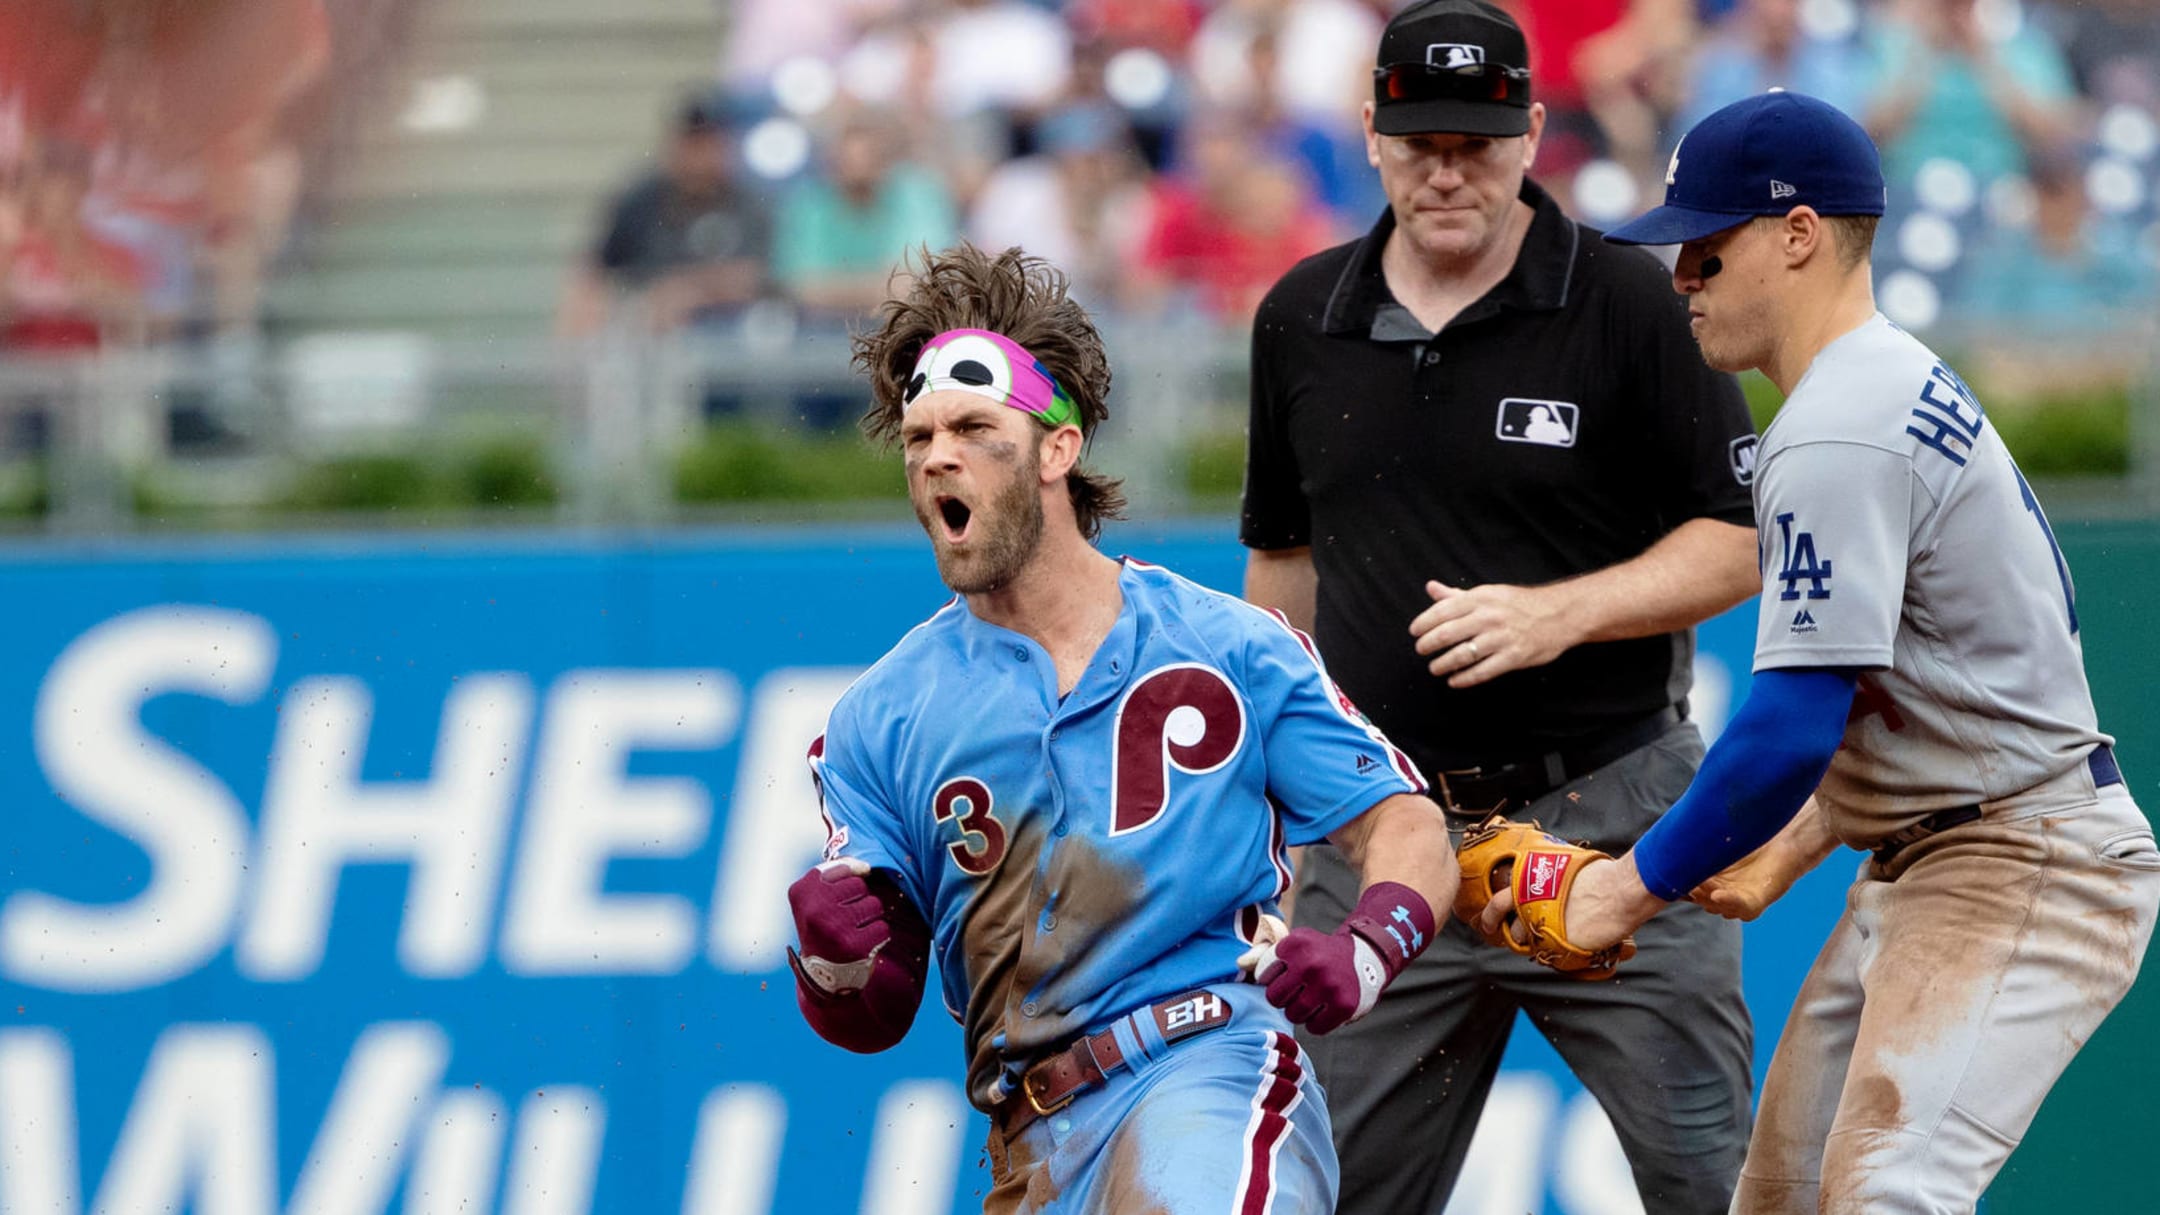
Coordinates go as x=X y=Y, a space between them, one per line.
x=1919 y=669
x=1075 y=785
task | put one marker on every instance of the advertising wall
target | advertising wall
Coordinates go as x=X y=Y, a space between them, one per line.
x=447 y=876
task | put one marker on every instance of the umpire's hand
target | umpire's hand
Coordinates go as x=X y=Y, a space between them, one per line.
x=1476 y=634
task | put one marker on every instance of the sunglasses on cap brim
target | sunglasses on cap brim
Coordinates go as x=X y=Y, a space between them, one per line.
x=1425 y=82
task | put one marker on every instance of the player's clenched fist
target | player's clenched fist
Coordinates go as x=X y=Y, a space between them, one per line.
x=864 y=952
x=841 y=924
x=1324 y=980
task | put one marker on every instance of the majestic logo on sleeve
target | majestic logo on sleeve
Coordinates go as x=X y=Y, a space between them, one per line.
x=1545 y=423
x=1801 y=564
x=1454 y=56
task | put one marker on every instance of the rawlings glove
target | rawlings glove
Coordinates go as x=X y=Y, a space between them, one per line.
x=1542 y=868
x=1325 y=980
x=865 y=953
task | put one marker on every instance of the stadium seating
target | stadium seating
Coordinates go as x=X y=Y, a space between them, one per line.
x=480 y=173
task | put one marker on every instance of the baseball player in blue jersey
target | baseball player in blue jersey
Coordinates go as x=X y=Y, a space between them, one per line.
x=1919 y=671
x=1074 y=786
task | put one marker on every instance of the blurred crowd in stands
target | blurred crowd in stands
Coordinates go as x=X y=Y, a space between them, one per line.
x=1175 y=156
x=148 y=164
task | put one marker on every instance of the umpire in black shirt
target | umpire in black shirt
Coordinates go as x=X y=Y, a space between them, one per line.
x=1489 y=470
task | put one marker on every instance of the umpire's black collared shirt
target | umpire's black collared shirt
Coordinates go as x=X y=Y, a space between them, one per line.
x=1561 y=424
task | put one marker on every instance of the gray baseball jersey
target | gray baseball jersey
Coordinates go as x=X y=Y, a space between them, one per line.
x=1899 y=537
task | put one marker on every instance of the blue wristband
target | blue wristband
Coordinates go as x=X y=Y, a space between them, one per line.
x=1771 y=756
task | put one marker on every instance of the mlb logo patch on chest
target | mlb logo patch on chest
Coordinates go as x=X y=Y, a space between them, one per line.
x=1545 y=423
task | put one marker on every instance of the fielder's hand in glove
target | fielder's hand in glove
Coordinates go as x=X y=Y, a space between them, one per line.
x=1324 y=980
x=1516 y=883
x=865 y=953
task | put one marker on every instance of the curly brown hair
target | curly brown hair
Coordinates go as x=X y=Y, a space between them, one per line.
x=1025 y=298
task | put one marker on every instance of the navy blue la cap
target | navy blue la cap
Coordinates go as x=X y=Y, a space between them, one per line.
x=1762 y=156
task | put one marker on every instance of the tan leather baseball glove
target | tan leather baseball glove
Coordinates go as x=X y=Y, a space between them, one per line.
x=1542 y=868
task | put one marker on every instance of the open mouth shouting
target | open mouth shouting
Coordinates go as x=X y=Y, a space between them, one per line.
x=955 y=516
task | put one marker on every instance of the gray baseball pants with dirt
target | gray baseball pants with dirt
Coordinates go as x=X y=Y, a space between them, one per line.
x=1961 y=981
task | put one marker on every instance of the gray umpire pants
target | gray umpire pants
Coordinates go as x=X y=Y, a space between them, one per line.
x=1665 y=1046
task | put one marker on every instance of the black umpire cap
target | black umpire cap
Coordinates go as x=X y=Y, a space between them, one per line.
x=1453 y=66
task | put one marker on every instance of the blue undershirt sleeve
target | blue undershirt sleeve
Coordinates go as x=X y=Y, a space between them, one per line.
x=1759 y=773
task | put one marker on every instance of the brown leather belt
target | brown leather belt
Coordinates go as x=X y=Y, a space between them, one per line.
x=1052 y=1083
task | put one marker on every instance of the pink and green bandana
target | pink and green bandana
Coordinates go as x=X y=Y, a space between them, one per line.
x=994 y=366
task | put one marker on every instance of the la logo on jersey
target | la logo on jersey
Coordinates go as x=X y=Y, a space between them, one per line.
x=1454 y=56
x=1801 y=564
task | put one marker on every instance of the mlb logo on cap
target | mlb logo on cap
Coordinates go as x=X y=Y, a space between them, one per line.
x=1762 y=156
x=1459 y=66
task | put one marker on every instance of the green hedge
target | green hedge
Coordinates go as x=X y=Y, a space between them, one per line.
x=2080 y=434
x=1215 y=466
x=2072 y=434
x=24 y=492
x=739 y=462
x=485 y=473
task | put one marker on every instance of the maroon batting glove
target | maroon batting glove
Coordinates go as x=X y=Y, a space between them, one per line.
x=840 y=923
x=865 y=954
x=1322 y=981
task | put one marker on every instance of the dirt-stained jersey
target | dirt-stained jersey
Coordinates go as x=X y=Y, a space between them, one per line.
x=1899 y=537
x=1078 y=857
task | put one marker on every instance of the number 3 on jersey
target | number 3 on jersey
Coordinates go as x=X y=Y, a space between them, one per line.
x=982 y=843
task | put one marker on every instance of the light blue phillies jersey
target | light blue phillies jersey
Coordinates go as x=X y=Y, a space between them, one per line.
x=1079 y=858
